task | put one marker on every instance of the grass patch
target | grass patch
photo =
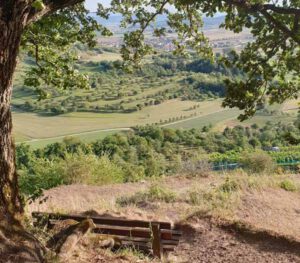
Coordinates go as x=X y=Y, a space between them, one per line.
x=223 y=199
x=154 y=194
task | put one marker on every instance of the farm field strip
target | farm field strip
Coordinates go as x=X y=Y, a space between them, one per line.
x=34 y=126
x=39 y=131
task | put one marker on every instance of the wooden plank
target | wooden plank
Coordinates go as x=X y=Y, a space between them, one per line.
x=170 y=242
x=104 y=220
x=156 y=241
x=128 y=231
x=133 y=239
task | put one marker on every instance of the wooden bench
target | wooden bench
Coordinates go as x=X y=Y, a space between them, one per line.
x=150 y=236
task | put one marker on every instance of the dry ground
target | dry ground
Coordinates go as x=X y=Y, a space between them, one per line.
x=272 y=214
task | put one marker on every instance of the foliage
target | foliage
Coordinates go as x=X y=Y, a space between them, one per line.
x=49 y=43
x=74 y=168
x=276 y=31
x=257 y=162
x=89 y=169
x=151 y=151
x=229 y=186
x=43 y=174
x=269 y=74
x=288 y=185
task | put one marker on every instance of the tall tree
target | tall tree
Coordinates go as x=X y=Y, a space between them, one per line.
x=48 y=28
x=15 y=17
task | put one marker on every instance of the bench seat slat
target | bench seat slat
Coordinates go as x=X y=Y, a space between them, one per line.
x=129 y=231
x=105 y=220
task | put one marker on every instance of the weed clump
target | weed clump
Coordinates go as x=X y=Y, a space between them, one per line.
x=229 y=186
x=288 y=185
x=153 y=194
x=197 y=167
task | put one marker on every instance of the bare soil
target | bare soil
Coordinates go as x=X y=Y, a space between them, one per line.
x=204 y=241
x=275 y=210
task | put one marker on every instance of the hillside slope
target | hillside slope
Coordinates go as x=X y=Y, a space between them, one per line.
x=251 y=225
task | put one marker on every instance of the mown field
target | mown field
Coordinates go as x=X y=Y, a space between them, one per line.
x=32 y=126
x=39 y=131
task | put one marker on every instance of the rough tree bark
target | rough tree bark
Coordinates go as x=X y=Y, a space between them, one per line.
x=12 y=20
x=16 y=245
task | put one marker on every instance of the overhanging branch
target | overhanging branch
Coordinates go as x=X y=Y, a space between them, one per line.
x=51 y=6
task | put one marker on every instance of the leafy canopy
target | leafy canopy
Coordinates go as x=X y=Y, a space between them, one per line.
x=270 y=63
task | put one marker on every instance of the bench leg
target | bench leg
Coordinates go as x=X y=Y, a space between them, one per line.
x=156 y=242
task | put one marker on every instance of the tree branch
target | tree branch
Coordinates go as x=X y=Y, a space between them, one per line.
x=263 y=9
x=51 y=6
x=282 y=10
x=285 y=30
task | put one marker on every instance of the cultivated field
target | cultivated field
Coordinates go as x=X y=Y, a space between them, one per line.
x=34 y=127
x=38 y=130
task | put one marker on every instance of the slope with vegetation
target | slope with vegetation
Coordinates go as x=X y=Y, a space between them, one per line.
x=151 y=151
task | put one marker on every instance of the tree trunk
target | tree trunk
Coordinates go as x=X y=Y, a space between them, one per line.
x=12 y=22
x=16 y=245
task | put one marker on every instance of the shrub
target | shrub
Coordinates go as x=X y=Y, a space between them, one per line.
x=75 y=168
x=257 y=162
x=155 y=164
x=159 y=193
x=133 y=173
x=197 y=167
x=288 y=185
x=89 y=169
x=229 y=186
x=47 y=174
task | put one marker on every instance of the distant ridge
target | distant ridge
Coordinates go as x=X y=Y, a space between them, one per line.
x=115 y=19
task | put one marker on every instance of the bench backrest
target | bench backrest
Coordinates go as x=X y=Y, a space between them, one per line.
x=155 y=236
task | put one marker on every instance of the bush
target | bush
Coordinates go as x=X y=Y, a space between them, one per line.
x=229 y=186
x=196 y=167
x=133 y=173
x=75 y=168
x=47 y=174
x=257 y=162
x=89 y=169
x=288 y=185
x=195 y=197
